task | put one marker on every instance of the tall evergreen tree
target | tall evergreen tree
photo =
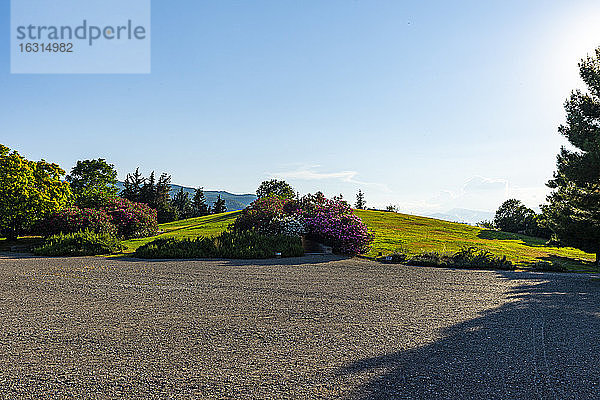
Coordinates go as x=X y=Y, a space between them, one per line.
x=133 y=186
x=573 y=212
x=148 y=191
x=201 y=208
x=219 y=206
x=360 y=200
x=183 y=204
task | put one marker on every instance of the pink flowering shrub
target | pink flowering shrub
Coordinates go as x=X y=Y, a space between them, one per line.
x=331 y=222
x=74 y=219
x=132 y=219
x=118 y=217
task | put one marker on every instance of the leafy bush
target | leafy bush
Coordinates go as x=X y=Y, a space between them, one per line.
x=255 y=245
x=73 y=219
x=243 y=245
x=271 y=216
x=82 y=243
x=333 y=223
x=472 y=257
x=132 y=219
x=178 y=248
x=467 y=257
x=547 y=266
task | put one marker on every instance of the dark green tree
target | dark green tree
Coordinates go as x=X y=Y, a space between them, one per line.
x=573 y=209
x=93 y=182
x=133 y=186
x=219 y=206
x=360 y=200
x=277 y=188
x=155 y=194
x=162 y=200
x=201 y=208
x=148 y=191
x=514 y=216
x=183 y=204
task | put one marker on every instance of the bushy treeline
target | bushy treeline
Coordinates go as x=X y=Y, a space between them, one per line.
x=155 y=193
x=513 y=216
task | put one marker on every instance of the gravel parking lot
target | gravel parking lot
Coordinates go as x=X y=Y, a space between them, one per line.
x=312 y=327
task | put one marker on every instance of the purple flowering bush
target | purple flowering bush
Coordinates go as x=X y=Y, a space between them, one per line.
x=118 y=217
x=132 y=219
x=333 y=223
x=330 y=222
x=73 y=219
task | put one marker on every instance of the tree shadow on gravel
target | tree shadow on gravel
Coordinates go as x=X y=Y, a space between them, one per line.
x=541 y=345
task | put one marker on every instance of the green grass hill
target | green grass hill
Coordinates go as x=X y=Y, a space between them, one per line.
x=411 y=235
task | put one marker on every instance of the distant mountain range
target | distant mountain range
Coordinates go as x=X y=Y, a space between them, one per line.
x=233 y=202
x=463 y=215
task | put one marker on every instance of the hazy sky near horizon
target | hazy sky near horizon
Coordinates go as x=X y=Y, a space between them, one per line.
x=425 y=105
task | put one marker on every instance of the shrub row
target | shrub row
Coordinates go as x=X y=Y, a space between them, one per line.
x=117 y=217
x=241 y=245
x=82 y=243
x=467 y=258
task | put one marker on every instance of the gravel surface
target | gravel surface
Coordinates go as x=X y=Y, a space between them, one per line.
x=312 y=327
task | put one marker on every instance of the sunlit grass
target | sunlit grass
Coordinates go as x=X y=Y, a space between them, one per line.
x=208 y=226
x=412 y=235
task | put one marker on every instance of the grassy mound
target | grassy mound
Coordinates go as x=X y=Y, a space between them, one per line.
x=410 y=235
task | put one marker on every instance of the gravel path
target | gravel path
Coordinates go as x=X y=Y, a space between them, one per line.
x=313 y=327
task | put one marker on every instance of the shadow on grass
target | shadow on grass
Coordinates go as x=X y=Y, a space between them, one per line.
x=541 y=345
x=569 y=264
x=489 y=234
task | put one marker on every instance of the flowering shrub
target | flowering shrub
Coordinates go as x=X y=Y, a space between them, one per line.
x=117 y=217
x=331 y=222
x=271 y=216
x=132 y=219
x=73 y=219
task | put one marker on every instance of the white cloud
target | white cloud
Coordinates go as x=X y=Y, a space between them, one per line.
x=310 y=173
x=478 y=184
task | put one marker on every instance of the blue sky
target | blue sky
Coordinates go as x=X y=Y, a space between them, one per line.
x=425 y=105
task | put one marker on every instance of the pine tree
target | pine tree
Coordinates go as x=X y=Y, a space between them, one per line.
x=360 y=200
x=219 y=206
x=133 y=186
x=148 y=191
x=573 y=212
x=183 y=204
x=201 y=208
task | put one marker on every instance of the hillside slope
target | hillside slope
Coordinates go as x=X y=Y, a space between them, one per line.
x=409 y=234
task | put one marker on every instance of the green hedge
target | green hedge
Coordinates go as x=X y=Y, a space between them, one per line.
x=467 y=258
x=242 y=245
x=82 y=243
